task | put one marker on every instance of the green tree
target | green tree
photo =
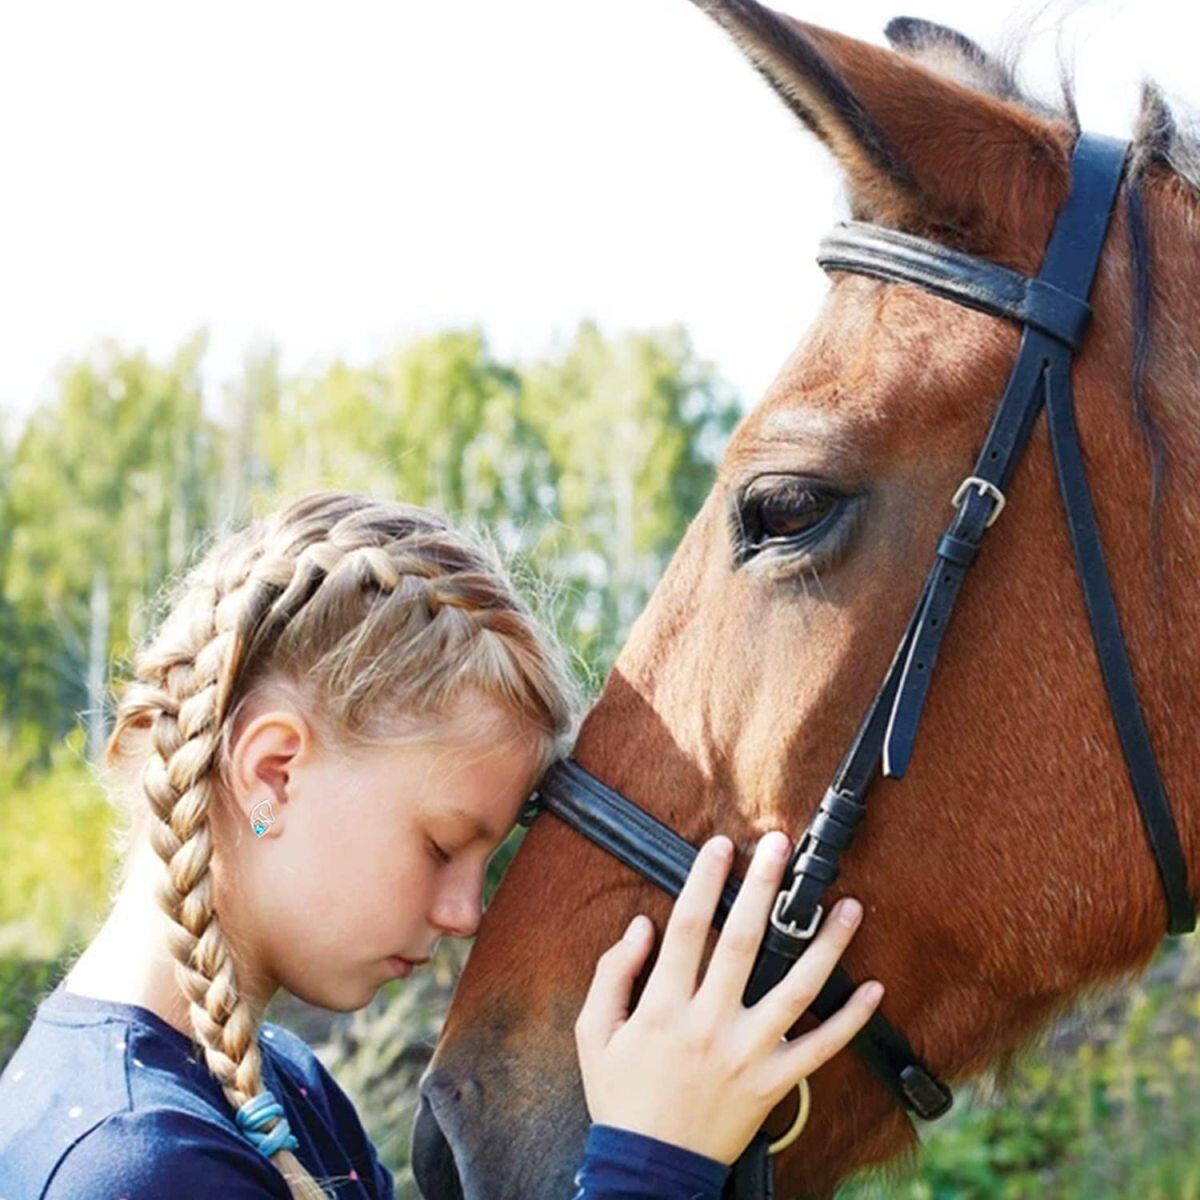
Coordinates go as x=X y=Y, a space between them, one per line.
x=110 y=484
x=634 y=427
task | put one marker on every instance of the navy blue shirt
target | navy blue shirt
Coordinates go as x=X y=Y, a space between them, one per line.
x=621 y=1165
x=106 y=1101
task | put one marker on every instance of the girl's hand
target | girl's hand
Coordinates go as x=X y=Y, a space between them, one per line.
x=694 y=1066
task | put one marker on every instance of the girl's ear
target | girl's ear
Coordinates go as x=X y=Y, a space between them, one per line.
x=264 y=756
x=933 y=139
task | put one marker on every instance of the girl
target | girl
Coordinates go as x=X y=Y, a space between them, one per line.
x=338 y=694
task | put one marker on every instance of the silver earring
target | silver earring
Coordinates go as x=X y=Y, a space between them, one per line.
x=261 y=817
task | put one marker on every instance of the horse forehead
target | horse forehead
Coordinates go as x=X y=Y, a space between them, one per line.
x=878 y=351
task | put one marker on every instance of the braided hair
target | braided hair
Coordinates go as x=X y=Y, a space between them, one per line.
x=370 y=610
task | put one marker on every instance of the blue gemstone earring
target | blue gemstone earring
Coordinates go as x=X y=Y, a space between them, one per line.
x=261 y=817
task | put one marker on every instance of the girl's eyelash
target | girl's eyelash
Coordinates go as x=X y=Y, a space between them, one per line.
x=441 y=854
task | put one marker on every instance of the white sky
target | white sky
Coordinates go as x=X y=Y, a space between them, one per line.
x=340 y=176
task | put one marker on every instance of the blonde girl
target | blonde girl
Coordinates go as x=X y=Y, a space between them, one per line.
x=322 y=745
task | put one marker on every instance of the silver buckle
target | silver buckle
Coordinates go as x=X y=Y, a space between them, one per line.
x=986 y=488
x=791 y=929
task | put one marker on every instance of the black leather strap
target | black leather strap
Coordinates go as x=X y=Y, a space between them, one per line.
x=1112 y=654
x=890 y=254
x=1069 y=268
x=659 y=854
x=617 y=825
x=887 y=733
x=752 y=1176
x=1001 y=450
x=879 y=1043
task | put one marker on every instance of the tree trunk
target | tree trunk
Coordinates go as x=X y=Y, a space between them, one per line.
x=97 y=664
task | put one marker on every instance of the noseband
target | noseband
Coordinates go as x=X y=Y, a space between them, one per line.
x=1053 y=311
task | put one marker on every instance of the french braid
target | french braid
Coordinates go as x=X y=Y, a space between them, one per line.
x=371 y=610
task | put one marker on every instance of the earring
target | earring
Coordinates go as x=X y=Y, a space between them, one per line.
x=261 y=817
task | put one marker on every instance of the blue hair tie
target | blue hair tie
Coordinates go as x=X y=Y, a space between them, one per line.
x=255 y=1113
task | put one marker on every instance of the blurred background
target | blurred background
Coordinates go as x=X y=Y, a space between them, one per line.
x=525 y=262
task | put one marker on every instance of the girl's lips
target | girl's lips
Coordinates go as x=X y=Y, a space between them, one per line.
x=404 y=966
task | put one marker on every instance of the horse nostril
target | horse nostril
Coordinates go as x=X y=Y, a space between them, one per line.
x=443 y=1088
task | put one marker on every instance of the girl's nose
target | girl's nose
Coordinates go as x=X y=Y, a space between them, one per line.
x=460 y=916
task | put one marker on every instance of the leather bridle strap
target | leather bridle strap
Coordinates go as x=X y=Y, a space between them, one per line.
x=1113 y=655
x=1069 y=267
x=889 y=254
x=656 y=852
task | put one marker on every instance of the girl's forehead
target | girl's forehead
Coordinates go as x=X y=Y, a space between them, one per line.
x=481 y=782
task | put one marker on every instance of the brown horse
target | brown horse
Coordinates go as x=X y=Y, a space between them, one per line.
x=1008 y=873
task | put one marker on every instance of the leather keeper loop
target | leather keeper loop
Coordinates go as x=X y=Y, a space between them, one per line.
x=956 y=550
x=843 y=807
x=823 y=870
x=828 y=829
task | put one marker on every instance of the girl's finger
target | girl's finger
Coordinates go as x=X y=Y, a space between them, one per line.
x=799 y=1058
x=783 y=1005
x=731 y=962
x=673 y=977
x=606 y=1005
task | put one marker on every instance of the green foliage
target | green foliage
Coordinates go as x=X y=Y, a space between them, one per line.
x=55 y=825
x=631 y=428
x=1105 y=1118
x=24 y=982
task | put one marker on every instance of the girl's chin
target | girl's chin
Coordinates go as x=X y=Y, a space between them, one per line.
x=347 y=993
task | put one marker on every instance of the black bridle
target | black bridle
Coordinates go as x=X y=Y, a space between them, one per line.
x=1053 y=312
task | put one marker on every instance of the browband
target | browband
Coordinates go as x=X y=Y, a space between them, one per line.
x=889 y=254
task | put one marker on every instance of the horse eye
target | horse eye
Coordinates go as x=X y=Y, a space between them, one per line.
x=790 y=512
x=782 y=508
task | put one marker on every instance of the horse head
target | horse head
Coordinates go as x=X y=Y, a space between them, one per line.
x=1006 y=874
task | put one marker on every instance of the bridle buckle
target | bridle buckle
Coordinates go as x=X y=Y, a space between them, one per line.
x=790 y=928
x=986 y=488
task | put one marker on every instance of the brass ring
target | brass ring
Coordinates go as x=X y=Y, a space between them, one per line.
x=798 y=1124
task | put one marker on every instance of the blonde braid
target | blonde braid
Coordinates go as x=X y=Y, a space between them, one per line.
x=197 y=679
x=287 y=599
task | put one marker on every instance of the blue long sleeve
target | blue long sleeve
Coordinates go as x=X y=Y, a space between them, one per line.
x=619 y=1164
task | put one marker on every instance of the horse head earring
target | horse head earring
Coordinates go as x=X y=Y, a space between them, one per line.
x=261 y=817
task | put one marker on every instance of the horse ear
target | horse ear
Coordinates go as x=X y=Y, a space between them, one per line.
x=951 y=54
x=921 y=149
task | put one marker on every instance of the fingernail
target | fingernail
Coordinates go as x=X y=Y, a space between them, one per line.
x=872 y=992
x=722 y=847
x=777 y=844
x=634 y=930
x=848 y=911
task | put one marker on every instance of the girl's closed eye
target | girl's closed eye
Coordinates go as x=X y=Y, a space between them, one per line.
x=439 y=853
